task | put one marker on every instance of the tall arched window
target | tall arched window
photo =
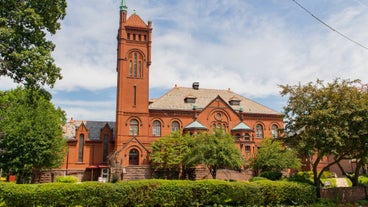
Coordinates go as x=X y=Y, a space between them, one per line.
x=275 y=131
x=133 y=127
x=130 y=68
x=175 y=126
x=259 y=131
x=135 y=65
x=105 y=147
x=156 y=128
x=133 y=157
x=81 y=147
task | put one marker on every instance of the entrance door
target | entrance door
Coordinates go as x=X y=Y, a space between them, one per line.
x=133 y=157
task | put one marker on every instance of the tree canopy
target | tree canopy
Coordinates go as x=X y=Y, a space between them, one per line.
x=168 y=153
x=25 y=52
x=326 y=120
x=273 y=156
x=32 y=137
x=215 y=151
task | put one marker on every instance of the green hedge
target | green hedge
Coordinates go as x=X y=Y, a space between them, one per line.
x=158 y=193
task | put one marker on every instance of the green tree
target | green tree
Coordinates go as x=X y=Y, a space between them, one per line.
x=273 y=156
x=25 y=52
x=214 y=151
x=318 y=120
x=32 y=133
x=168 y=153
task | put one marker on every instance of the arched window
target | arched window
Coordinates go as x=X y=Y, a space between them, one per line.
x=156 y=128
x=175 y=126
x=275 y=131
x=81 y=147
x=259 y=131
x=130 y=68
x=135 y=65
x=133 y=127
x=237 y=136
x=133 y=157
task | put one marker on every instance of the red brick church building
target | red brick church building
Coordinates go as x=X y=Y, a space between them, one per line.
x=98 y=149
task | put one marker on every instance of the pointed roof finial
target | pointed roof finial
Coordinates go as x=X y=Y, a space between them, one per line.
x=123 y=6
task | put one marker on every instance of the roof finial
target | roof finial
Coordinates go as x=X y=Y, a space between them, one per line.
x=123 y=6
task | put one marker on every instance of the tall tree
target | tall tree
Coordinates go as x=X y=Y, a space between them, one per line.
x=32 y=133
x=25 y=52
x=168 y=153
x=215 y=151
x=273 y=156
x=318 y=121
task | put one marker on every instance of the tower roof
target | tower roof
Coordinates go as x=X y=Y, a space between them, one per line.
x=123 y=6
x=135 y=21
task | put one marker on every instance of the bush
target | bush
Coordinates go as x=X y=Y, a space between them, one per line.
x=257 y=178
x=271 y=175
x=158 y=193
x=66 y=179
x=363 y=180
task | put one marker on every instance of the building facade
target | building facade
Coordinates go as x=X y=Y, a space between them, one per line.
x=99 y=149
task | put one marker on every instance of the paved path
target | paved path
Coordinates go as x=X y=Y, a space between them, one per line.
x=341 y=182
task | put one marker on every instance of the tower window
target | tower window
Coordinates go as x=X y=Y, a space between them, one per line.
x=105 y=147
x=134 y=37
x=130 y=68
x=133 y=127
x=128 y=36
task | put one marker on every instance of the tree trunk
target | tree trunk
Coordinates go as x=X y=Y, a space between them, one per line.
x=213 y=171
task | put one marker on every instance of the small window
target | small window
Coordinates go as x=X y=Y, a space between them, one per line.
x=237 y=136
x=259 y=131
x=190 y=99
x=133 y=127
x=247 y=149
x=128 y=36
x=275 y=131
x=247 y=137
x=175 y=126
x=156 y=128
x=234 y=102
x=134 y=38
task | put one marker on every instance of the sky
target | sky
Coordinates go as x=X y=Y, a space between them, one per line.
x=249 y=46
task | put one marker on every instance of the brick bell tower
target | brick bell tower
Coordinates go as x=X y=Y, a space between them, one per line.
x=133 y=61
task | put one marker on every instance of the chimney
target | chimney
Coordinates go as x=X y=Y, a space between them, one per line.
x=195 y=85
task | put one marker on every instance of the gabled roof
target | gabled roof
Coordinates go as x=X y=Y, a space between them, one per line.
x=135 y=21
x=195 y=125
x=241 y=126
x=174 y=100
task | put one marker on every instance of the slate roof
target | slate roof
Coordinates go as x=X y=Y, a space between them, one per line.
x=94 y=128
x=174 y=100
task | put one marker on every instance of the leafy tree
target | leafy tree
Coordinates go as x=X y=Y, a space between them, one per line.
x=273 y=156
x=168 y=152
x=215 y=151
x=32 y=133
x=321 y=120
x=25 y=52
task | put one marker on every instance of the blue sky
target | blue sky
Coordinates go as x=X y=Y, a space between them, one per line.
x=248 y=46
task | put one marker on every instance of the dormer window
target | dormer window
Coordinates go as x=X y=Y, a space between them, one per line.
x=190 y=99
x=234 y=101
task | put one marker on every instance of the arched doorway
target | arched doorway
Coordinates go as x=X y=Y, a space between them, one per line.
x=133 y=157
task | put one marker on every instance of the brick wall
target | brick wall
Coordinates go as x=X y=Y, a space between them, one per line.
x=345 y=195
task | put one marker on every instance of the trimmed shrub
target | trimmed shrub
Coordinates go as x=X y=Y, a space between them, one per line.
x=271 y=175
x=158 y=193
x=66 y=179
